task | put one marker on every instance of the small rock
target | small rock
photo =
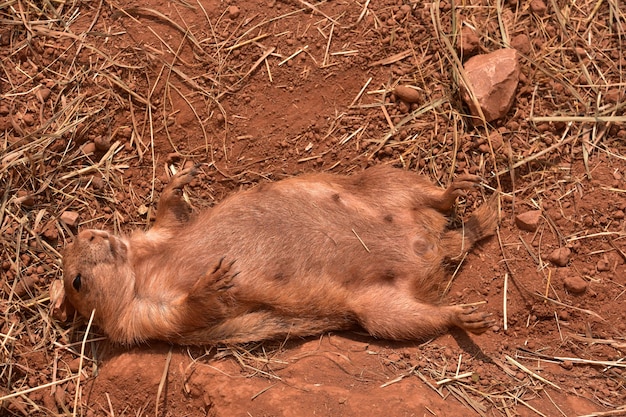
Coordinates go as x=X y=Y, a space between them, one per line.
x=407 y=94
x=233 y=12
x=567 y=365
x=575 y=284
x=28 y=119
x=603 y=265
x=43 y=94
x=97 y=182
x=618 y=215
x=493 y=78
x=521 y=42
x=564 y=315
x=50 y=233
x=88 y=148
x=25 y=198
x=25 y=284
x=529 y=220
x=4 y=110
x=102 y=144
x=469 y=43
x=560 y=256
x=70 y=218
x=538 y=7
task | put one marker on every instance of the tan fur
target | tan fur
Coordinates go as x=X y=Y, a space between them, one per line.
x=293 y=258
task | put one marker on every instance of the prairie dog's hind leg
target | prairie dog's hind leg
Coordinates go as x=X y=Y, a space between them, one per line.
x=392 y=315
x=172 y=209
x=444 y=201
x=481 y=224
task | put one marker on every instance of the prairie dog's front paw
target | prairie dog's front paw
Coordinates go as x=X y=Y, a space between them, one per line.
x=182 y=178
x=221 y=276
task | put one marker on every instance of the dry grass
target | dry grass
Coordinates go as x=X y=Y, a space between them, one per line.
x=68 y=80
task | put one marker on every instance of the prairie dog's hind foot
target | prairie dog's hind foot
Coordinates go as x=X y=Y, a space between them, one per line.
x=455 y=190
x=469 y=318
x=172 y=209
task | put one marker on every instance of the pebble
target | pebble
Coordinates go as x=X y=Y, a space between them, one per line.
x=28 y=119
x=521 y=42
x=26 y=283
x=4 y=110
x=25 y=198
x=603 y=265
x=102 y=143
x=70 y=218
x=233 y=12
x=538 y=7
x=575 y=284
x=560 y=256
x=567 y=365
x=529 y=220
x=407 y=94
x=88 y=148
x=469 y=42
x=43 y=94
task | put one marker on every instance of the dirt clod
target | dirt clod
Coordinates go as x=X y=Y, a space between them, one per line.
x=560 y=256
x=575 y=284
x=529 y=220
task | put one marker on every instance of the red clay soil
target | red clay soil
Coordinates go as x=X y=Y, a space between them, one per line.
x=260 y=91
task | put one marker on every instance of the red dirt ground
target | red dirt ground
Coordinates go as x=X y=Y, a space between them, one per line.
x=214 y=101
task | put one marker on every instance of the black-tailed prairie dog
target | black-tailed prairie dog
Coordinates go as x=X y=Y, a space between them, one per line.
x=293 y=258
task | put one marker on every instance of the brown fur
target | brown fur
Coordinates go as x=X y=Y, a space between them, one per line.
x=293 y=258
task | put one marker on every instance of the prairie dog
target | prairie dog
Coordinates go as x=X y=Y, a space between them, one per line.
x=297 y=257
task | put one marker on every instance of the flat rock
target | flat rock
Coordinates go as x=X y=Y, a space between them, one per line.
x=70 y=218
x=560 y=256
x=575 y=284
x=493 y=78
x=529 y=220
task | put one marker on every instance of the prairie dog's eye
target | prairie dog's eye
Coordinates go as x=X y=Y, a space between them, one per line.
x=76 y=283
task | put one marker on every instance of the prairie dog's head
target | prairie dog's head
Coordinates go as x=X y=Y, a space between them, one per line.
x=97 y=274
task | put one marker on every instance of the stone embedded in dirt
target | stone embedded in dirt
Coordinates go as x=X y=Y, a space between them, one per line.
x=575 y=284
x=521 y=43
x=102 y=143
x=529 y=220
x=407 y=94
x=70 y=218
x=603 y=265
x=560 y=256
x=233 y=12
x=567 y=365
x=493 y=78
x=538 y=7
x=4 y=110
x=618 y=215
x=469 y=42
